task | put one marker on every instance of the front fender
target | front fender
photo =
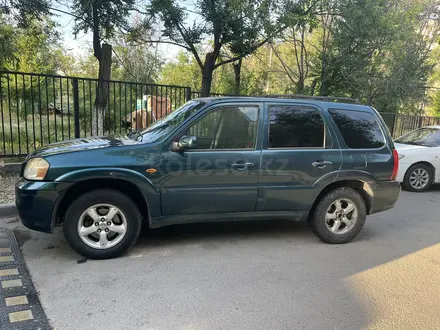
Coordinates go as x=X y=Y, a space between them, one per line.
x=150 y=193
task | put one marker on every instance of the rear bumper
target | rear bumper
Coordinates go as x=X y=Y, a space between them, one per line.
x=36 y=203
x=385 y=195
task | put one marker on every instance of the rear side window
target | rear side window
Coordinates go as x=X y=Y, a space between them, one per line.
x=295 y=127
x=360 y=130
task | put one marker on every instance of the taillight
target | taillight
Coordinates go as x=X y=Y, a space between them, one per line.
x=395 y=166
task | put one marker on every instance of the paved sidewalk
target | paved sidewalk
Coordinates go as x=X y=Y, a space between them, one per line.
x=20 y=307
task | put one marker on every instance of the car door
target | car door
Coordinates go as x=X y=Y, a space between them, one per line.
x=220 y=174
x=300 y=156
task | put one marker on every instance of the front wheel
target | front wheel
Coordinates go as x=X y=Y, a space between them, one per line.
x=102 y=224
x=339 y=216
x=418 y=178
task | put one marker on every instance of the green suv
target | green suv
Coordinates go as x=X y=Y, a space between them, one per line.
x=215 y=159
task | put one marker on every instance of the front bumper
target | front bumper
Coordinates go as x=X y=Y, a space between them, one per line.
x=385 y=195
x=36 y=204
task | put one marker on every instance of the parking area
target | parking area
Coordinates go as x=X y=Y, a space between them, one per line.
x=250 y=275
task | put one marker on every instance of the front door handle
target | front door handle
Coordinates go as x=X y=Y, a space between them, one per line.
x=242 y=166
x=321 y=164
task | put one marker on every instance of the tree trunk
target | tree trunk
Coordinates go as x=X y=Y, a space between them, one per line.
x=266 y=89
x=237 y=72
x=102 y=90
x=208 y=69
x=300 y=86
x=313 y=87
x=323 y=91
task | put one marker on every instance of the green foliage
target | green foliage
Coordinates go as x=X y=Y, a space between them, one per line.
x=136 y=63
x=24 y=11
x=377 y=51
x=34 y=48
x=241 y=25
x=104 y=15
x=182 y=72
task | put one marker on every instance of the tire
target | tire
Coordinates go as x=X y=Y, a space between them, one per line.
x=425 y=171
x=88 y=207
x=327 y=206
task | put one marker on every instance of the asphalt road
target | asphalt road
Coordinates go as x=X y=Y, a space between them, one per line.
x=253 y=275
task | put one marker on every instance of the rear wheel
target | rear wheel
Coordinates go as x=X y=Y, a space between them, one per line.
x=102 y=224
x=418 y=178
x=339 y=216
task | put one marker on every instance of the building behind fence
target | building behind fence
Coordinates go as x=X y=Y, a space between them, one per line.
x=38 y=109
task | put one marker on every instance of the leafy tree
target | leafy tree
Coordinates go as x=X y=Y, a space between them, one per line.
x=242 y=25
x=102 y=18
x=182 y=72
x=7 y=42
x=17 y=14
x=136 y=62
x=360 y=53
x=23 y=11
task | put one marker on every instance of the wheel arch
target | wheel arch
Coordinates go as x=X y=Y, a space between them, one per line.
x=126 y=187
x=424 y=162
x=362 y=187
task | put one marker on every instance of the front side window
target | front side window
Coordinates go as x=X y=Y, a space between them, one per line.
x=295 y=127
x=230 y=127
x=359 y=129
x=169 y=123
x=426 y=137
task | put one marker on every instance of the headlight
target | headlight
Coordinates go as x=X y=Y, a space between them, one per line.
x=36 y=169
x=401 y=156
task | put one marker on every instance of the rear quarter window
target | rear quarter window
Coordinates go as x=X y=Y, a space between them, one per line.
x=359 y=129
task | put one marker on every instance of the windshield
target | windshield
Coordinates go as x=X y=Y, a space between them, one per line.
x=167 y=124
x=426 y=137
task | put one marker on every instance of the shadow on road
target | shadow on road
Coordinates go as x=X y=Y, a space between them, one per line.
x=229 y=231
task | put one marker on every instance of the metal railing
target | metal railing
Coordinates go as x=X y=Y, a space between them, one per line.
x=402 y=124
x=38 y=109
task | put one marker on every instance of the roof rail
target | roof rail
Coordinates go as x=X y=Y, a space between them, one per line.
x=320 y=98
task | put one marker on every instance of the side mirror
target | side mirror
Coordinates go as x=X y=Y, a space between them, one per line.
x=187 y=142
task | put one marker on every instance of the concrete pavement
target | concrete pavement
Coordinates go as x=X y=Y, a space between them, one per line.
x=253 y=275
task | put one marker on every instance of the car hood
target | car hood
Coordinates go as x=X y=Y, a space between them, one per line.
x=82 y=144
x=407 y=147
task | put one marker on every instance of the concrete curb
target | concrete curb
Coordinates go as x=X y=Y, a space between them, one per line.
x=11 y=168
x=7 y=210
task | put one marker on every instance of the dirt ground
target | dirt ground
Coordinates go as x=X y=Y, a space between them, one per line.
x=7 y=188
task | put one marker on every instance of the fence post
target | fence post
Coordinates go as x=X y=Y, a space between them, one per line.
x=188 y=94
x=76 y=107
x=394 y=124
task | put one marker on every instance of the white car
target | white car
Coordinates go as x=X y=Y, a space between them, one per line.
x=419 y=154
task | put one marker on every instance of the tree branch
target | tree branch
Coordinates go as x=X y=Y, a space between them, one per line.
x=164 y=42
x=250 y=51
x=72 y=15
x=191 y=46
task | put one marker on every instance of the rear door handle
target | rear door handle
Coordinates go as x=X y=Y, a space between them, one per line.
x=321 y=164
x=242 y=166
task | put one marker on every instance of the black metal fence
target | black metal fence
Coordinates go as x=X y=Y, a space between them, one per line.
x=39 y=109
x=402 y=124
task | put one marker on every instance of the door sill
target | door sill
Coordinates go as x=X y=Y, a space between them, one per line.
x=162 y=221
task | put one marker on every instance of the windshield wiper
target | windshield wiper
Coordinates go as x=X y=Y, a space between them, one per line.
x=134 y=134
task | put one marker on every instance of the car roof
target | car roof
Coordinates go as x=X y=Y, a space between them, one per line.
x=319 y=103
